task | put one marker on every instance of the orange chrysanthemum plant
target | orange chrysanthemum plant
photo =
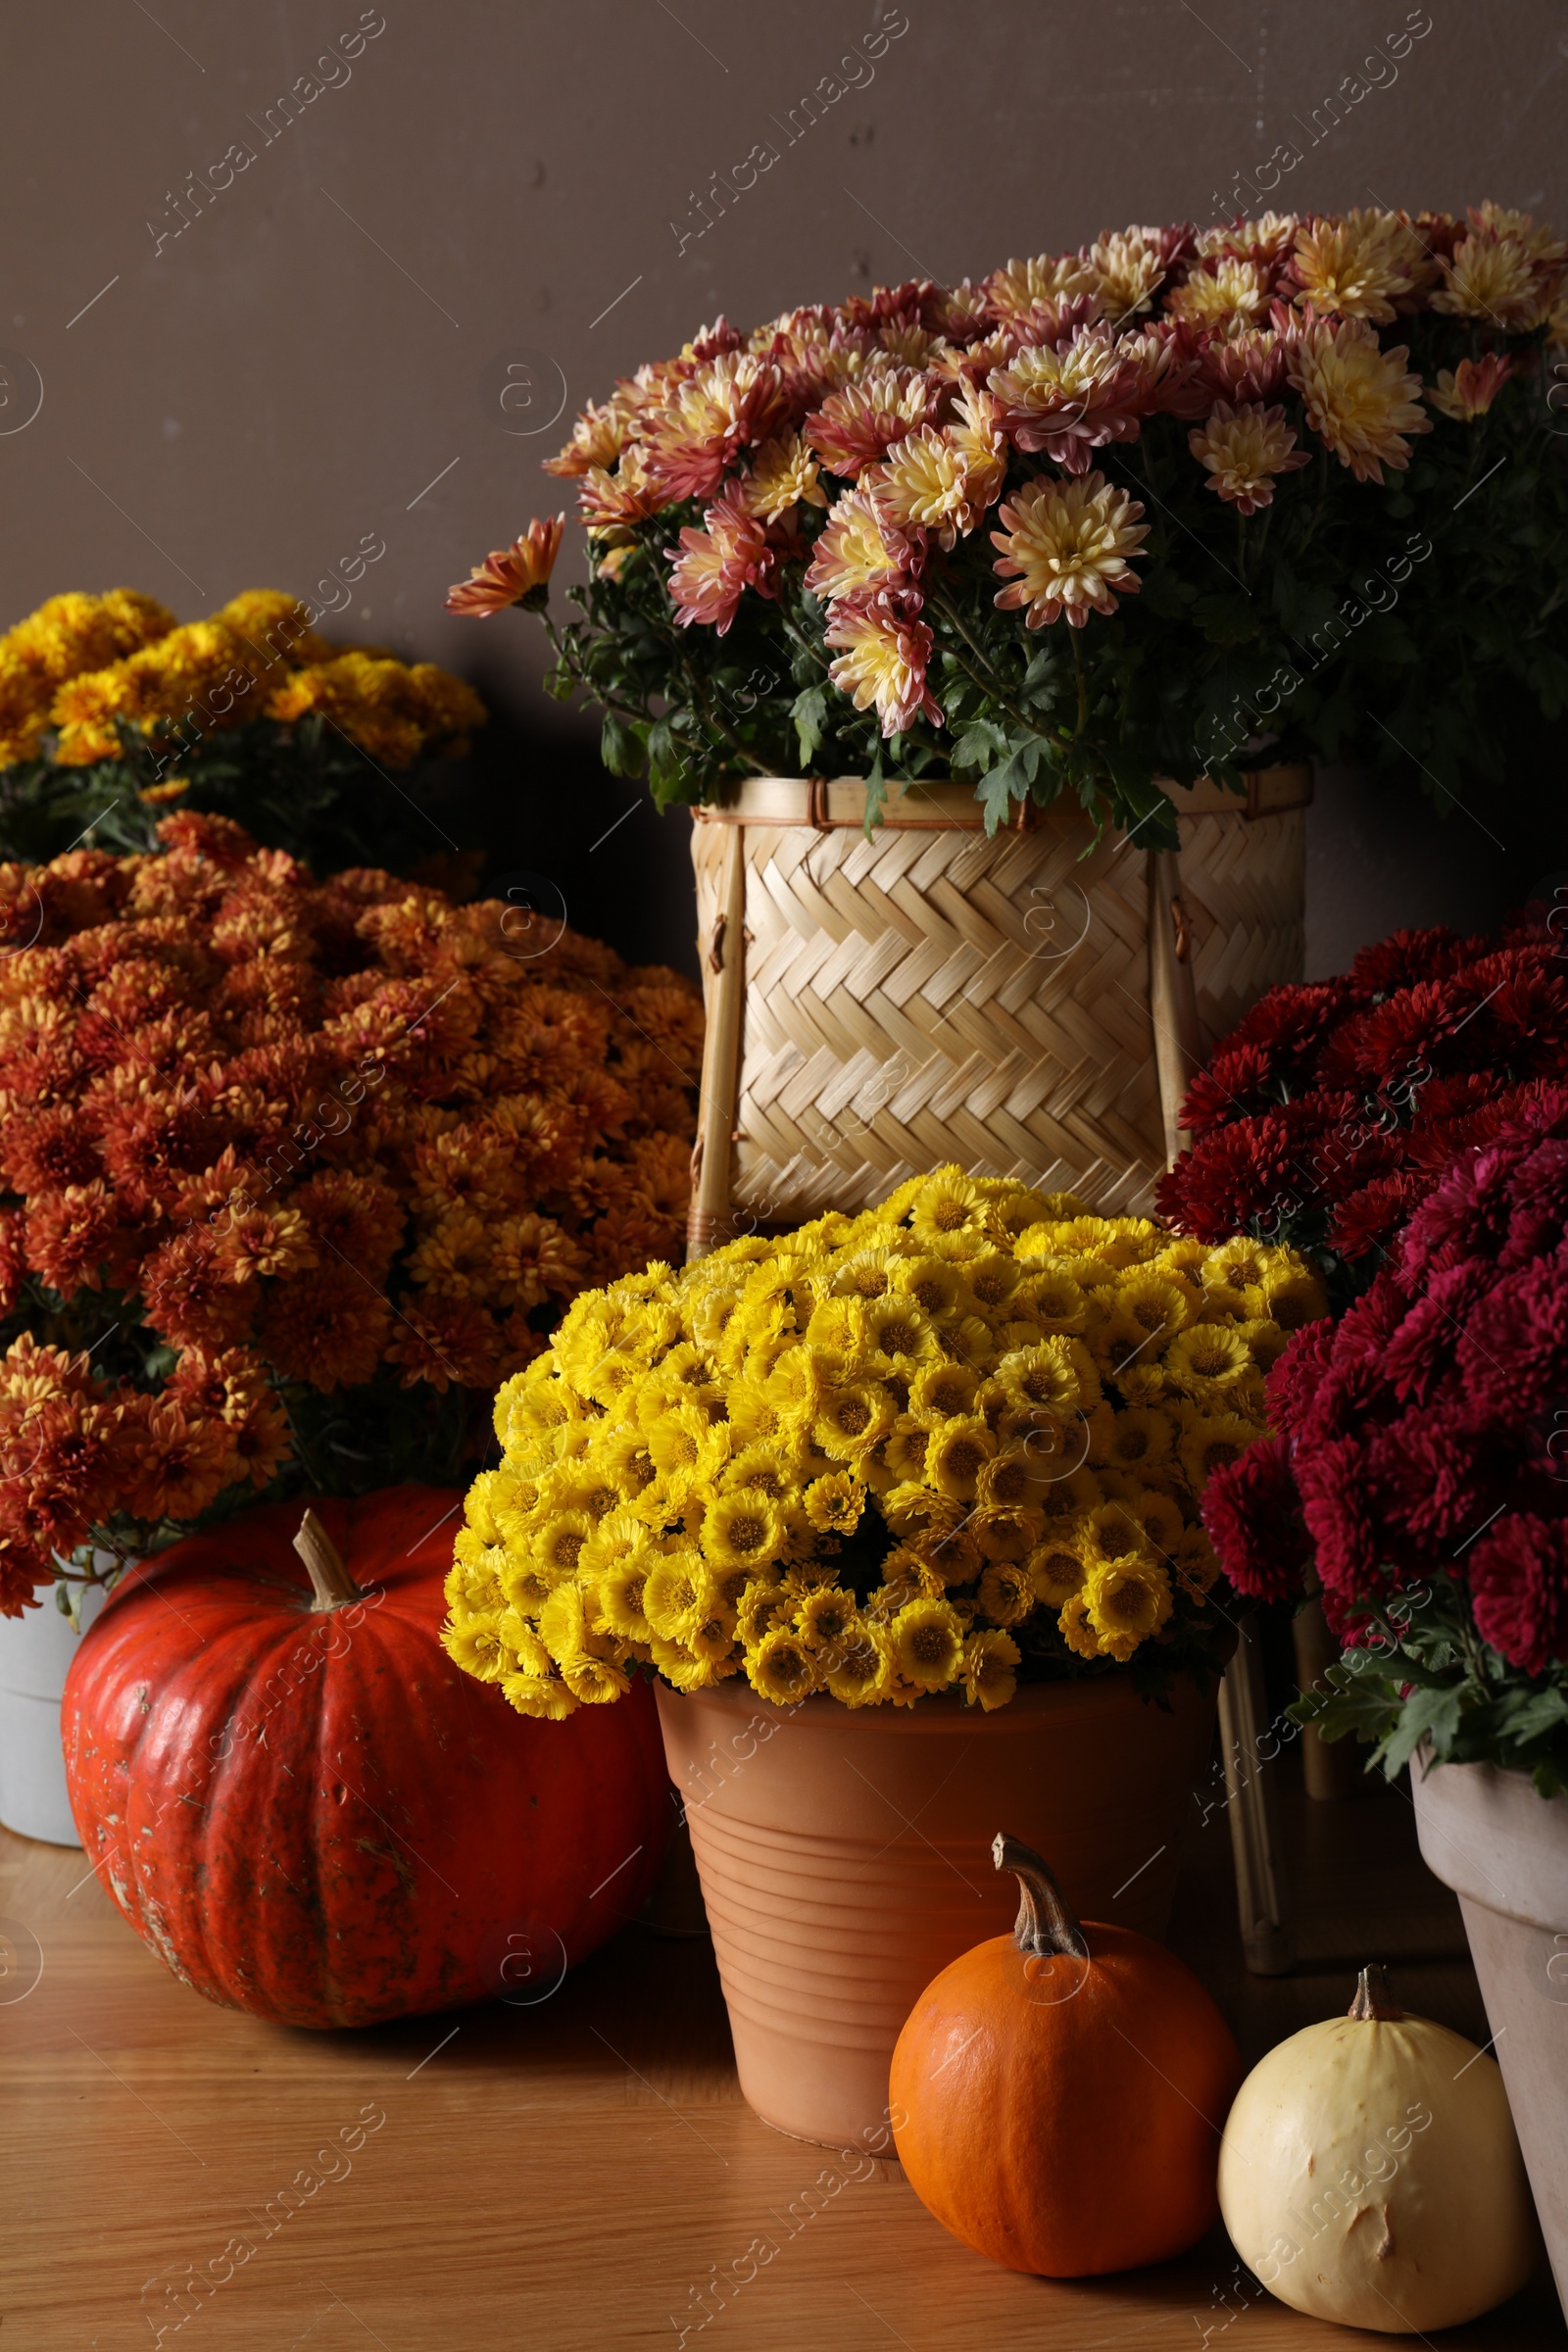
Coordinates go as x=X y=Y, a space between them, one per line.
x=111 y=715
x=294 y=1173
x=1152 y=509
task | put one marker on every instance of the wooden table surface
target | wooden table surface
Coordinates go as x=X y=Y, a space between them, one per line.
x=564 y=2177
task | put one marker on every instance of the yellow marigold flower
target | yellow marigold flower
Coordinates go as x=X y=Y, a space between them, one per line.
x=742 y=1529
x=676 y=1438
x=1359 y=265
x=825 y=1618
x=782 y=1668
x=564 y=1623
x=1160 y=1516
x=927 y=1639
x=1292 y=1294
x=992 y=1278
x=1005 y=1530
x=1126 y=1600
x=958 y=1452
x=594 y=1680
x=1361 y=399
x=1224 y=298
x=558 y=1543
x=769 y=1466
x=989 y=1671
x=1266 y=1340
x=1209 y=1442
x=1492 y=279
x=677 y=1591
x=543 y=1696
x=764 y=1605
x=473 y=1643
x=527 y=1583
x=904 y=1449
x=1196 y=1566
x=895 y=1329
x=834 y=1504
x=851 y=1418
x=861 y=1670
x=1110 y=1532
x=947 y=1203
x=1005 y=1592
x=1081 y=1635
x=932 y=1284
x=627 y=1463
x=1058 y=1375
x=621 y=1587
x=1206 y=1361
x=1056 y=1572
x=940 y=1391
x=1057 y=1301
x=1242 y=449
x=1139 y=1435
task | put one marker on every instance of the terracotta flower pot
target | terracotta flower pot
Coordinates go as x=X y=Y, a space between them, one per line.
x=845 y=1857
x=1504 y=1851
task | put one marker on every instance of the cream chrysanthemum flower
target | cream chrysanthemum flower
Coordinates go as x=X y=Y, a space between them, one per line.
x=1225 y=297
x=1242 y=449
x=1359 y=265
x=1067 y=542
x=853 y=552
x=1466 y=392
x=1129 y=268
x=883 y=649
x=923 y=485
x=1361 y=399
x=784 y=474
x=1493 y=279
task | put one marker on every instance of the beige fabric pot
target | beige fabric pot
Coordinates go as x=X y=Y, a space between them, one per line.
x=1504 y=1851
x=845 y=1857
x=1029 y=1004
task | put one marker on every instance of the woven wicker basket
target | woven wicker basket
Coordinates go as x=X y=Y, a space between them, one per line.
x=1027 y=1005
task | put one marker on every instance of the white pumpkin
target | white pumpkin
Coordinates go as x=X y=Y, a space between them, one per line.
x=1369 y=2173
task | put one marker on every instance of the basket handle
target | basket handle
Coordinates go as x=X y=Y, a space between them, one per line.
x=724 y=984
x=1172 y=994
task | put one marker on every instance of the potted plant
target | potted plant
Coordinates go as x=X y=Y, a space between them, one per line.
x=902 y=1513
x=1023 y=552
x=1417 y=1473
x=111 y=715
x=291 y=1173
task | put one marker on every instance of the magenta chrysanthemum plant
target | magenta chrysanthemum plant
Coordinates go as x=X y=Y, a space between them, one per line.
x=1419 y=1473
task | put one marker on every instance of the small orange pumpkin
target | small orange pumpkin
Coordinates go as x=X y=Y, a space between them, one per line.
x=1057 y=2094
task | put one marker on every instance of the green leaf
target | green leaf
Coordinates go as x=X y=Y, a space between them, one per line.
x=1426 y=1714
x=623 y=748
x=809 y=710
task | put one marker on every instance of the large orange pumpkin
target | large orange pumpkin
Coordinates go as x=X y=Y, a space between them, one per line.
x=305 y=1807
x=1057 y=2094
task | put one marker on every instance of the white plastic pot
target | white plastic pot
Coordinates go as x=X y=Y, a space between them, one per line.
x=1504 y=1851
x=35 y=1651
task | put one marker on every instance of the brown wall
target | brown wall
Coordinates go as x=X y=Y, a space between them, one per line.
x=330 y=333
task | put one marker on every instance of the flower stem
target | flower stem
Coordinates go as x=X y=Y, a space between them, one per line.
x=1046 y=1921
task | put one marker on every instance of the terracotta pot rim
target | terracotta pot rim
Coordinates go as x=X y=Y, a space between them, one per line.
x=946 y=1711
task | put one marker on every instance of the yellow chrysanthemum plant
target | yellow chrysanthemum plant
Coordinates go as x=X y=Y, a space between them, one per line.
x=1186 y=501
x=955 y=1441
x=111 y=715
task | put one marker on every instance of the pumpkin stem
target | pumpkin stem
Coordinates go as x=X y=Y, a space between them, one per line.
x=1374 y=1995
x=329 y=1569
x=1046 y=1921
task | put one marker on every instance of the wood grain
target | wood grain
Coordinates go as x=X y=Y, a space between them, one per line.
x=566 y=2177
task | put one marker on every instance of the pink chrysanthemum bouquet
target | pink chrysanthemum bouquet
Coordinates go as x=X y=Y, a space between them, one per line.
x=1292 y=485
